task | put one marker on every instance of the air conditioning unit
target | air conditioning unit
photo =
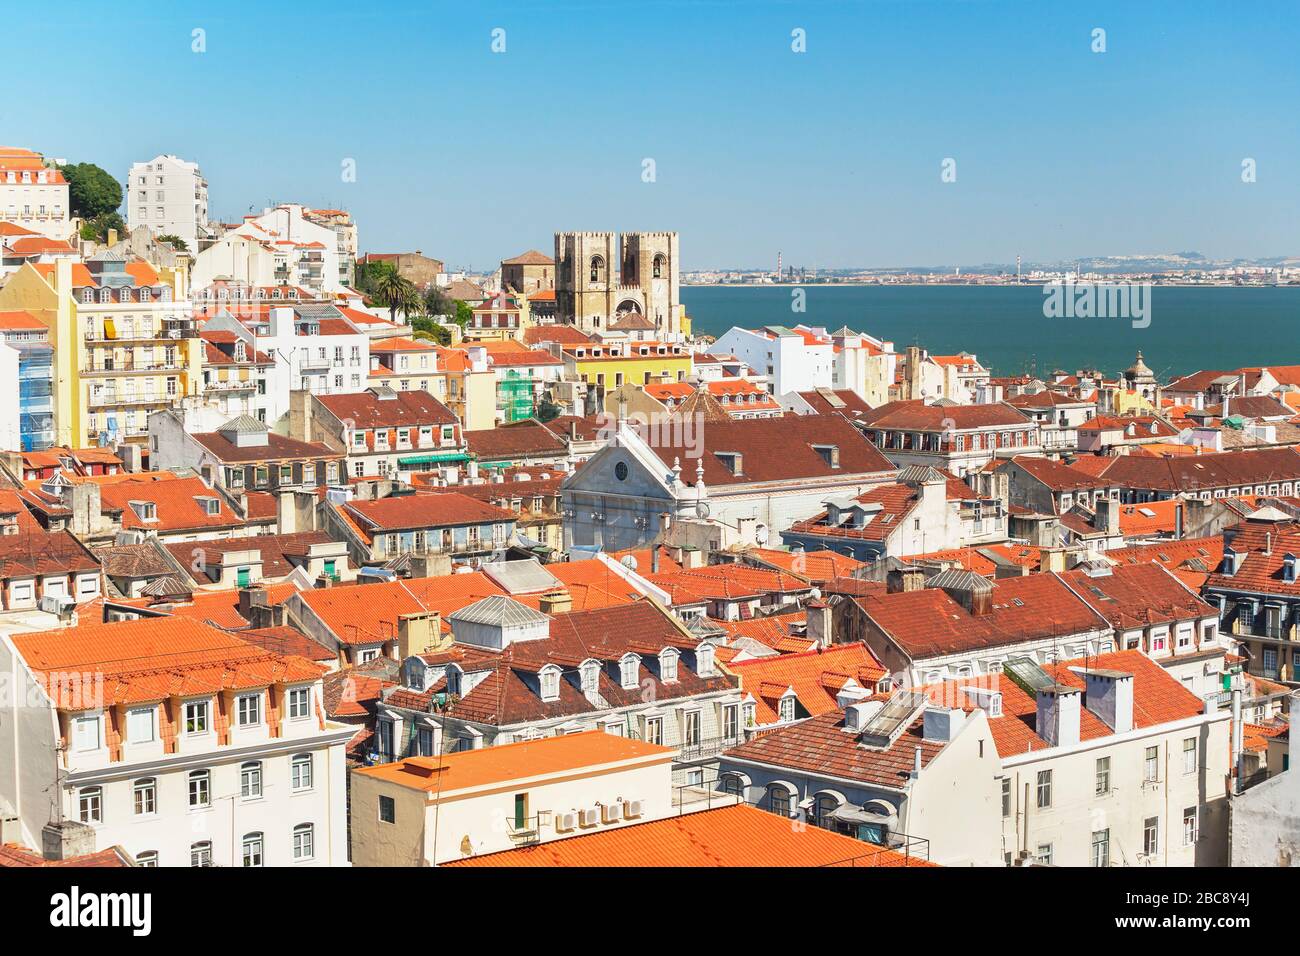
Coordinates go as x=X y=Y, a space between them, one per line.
x=588 y=817
x=565 y=822
x=631 y=809
x=611 y=812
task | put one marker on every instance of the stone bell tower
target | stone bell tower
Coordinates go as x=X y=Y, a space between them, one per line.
x=586 y=268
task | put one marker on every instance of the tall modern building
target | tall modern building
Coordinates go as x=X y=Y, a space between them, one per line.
x=26 y=357
x=170 y=196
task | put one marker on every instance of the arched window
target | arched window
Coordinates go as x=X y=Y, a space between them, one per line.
x=590 y=673
x=90 y=804
x=147 y=858
x=823 y=807
x=304 y=841
x=145 y=793
x=778 y=799
x=201 y=853
x=251 y=852
x=659 y=263
x=668 y=664
x=787 y=708
x=597 y=269
x=300 y=772
x=733 y=785
x=627 y=668
x=200 y=784
x=250 y=780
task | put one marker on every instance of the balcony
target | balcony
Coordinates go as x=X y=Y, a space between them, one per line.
x=230 y=386
x=112 y=399
x=124 y=368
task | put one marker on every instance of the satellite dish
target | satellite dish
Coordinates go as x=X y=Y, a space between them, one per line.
x=702 y=509
x=761 y=533
x=629 y=562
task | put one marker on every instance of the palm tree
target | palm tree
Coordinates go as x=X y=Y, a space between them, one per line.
x=394 y=291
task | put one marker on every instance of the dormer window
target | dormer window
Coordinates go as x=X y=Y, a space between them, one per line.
x=829 y=454
x=704 y=660
x=210 y=506
x=590 y=673
x=454 y=683
x=668 y=664
x=145 y=510
x=787 y=707
x=627 y=671
x=549 y=677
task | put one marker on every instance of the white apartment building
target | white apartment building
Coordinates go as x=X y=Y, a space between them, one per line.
x=425 y=811
x=1124 y=767
x=179 y=742
x=33 y=195
x=793 y=360
x=315 y=348
x=282 y=246
x=170 y=196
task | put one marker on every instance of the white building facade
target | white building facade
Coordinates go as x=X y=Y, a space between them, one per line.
x=170 y=196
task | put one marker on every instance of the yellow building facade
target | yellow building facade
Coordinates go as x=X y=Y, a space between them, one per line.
x=124 y=343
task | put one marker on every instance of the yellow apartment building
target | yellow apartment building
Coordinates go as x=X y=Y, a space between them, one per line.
x=124 y=342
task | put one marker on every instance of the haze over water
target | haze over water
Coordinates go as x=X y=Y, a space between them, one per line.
x=1191 y=327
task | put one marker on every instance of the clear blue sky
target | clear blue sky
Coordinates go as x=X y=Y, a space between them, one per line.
x=832 y=156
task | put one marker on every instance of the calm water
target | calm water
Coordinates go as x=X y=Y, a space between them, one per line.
x=1191 y=328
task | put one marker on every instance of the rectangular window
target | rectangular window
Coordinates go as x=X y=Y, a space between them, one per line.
x=250 y=781
x=1043 y=854
x=145 y=793
x=1191 y=830
x=387 y=810
x=1151 y=836
x=250 y=710
x=1006 y=796
x=1101 y=848
x=1103 y=775
x=654 y=730
x=252 y=850
x=691 y=731
x=85 y=733
x=299 y=702
x=140 y=725
x=1151 y=767
x=89 y=805
x=1044 y=789
x=196 y=717
x=304 y=839
x=730 y=721
x=1189 y=755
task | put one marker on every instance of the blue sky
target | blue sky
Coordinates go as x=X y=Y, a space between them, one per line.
x=832 y=156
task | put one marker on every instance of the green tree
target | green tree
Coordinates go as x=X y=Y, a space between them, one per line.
x=368 y=274
x=92 y=192
x=97 y=227
x=463 y=313
x=176 y=242
x=395 y=292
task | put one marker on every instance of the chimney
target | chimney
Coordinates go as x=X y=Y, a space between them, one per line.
x=418 y=633
x=66 y=839
x=1238 y=738
x=300 y=415
x=1052 y=559
x=905 y=579
x=556 y=602
x=1057 y=720
x=1178 y=521
x=251 y=601
x=820 y=627
x=654 y=557
x=1109 y=695
x=286 y=512
x=1106 y=517
x=692 y=558
x=471 y=469
x=916 y=764
x=112 y=237
x=942 y=724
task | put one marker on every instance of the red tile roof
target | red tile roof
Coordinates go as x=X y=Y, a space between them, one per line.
x=150 y=660
x=917 y=416
x=728 y=836
x=928 y=623
x=365 y=410
x=1158 y=698
x=816 y=677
